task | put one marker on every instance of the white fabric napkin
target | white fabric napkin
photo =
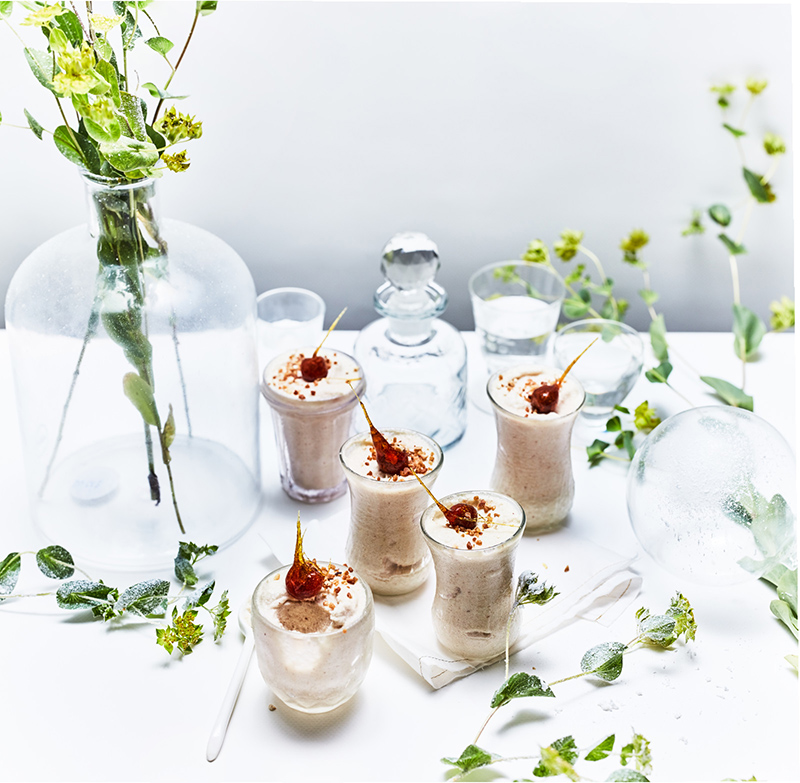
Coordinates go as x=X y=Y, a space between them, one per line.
x=593 y=583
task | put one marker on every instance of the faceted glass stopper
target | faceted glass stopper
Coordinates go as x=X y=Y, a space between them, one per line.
x=410 y=261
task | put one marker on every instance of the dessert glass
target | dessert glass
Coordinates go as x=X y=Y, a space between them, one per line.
x=533 y=462
x=314 y=671
x=311 y=422
x=475 y=586
x=384 y=542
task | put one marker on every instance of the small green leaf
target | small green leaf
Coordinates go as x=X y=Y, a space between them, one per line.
x=41 y=64
x=625 y=775
x=658 y=338
x=160 y=44
x=648 y=297
x=184 y=571
x=695 y=226
x=199 y=597
x=735 y=131
x=625 y=441
x=720 y=214
x=206 y=7
x=604 y=660
x=103 y=134
x=659 y=374
x=148 y=598
x=614 y=424
x=531 y=591
x=730 y=394
x=658 y=629
x=734 y=248
x=9 y=574
x=472 y=758
x=69 y=23
x=84 y=594
x=520 y=685
x=140 y=393
x=5 y=9
x=594 y=452
x=601 y=751
x=128 y=154
x=761 y=191
x=55 y=562
x=748 y=331
x=33 y=125
x=157 y=92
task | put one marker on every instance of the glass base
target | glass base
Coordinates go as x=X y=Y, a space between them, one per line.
x=305 y=495
x=97 y=502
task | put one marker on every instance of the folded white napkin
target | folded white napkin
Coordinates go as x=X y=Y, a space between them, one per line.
x=593 y=583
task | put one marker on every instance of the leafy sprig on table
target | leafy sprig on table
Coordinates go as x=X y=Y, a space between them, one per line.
x=149 y=599
x=604 y=661
x=644 y=420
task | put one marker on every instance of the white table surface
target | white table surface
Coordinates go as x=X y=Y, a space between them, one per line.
x=82 y=700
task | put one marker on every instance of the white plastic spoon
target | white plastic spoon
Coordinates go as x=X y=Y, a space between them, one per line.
x=229 y=702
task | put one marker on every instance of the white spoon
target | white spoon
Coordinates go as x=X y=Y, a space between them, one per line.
x=229 y=702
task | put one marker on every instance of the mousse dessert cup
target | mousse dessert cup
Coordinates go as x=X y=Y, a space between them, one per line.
x=475 y=574
x=312 y=419
x=533 y=462
x=384 y=542
x=314 y=653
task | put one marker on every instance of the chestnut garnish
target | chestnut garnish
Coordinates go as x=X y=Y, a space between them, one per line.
x=391 y=459
x=304 y=579
x=315 y=367
x=544 y=398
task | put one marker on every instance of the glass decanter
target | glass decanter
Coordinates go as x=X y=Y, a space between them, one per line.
x=414 y=363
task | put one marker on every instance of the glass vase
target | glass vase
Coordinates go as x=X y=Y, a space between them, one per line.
x=134 y=359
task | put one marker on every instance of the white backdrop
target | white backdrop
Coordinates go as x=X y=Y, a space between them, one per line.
x=330 y=126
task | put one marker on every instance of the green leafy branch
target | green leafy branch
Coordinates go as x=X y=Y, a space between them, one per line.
x=561 y=755
x=644 y=420
x=748 y=328
x=149 y=599
x=604 y=661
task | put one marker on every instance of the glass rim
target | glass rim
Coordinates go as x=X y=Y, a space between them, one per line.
x=270 y=292
x=435 y=448
x=541 y=417
x=482 y=493
x=599 y=322
x=516 y=262
x=312 y=407
x=365 y=615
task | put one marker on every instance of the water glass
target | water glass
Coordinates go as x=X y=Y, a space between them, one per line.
x=609 y=369
x=516 y=305
x=288 y=318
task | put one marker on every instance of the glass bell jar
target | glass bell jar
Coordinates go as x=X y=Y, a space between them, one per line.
x=415 y=363
x=133 y=347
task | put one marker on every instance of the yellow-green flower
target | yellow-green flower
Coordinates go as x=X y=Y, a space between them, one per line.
x=636 y=240
x=774 y=144
x=782 y=314
x=536 y=253
x=645 y=417
x=77 y=75
x=756 y=86
x=177 y=127
x=102 y=24
x=43 y=16
x=567 y=247
x=176 y=162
